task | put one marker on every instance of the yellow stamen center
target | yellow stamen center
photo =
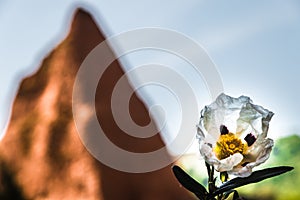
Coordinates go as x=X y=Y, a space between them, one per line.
x=227 y=145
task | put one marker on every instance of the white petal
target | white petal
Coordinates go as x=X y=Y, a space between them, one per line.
x=241 y=117
x=224 y=111
x=206 y=151
x=253 y=119
x=241 y=171
x=262 y=156
x=227 y=164
x=259 y=150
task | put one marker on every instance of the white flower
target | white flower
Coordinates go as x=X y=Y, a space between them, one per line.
x=232 y=134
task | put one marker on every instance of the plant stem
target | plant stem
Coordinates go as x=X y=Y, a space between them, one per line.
x=211 y=180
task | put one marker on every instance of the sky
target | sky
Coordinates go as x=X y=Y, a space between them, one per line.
x=255 y=46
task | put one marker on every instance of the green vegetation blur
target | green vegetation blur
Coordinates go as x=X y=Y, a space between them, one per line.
x=286 y=152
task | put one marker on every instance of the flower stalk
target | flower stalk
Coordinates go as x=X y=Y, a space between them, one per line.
x=211 y=180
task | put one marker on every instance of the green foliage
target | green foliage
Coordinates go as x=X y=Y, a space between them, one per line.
x=227 y=188
x=285 y=187
x=190 y=183
x=255 y=177
x=286 y=152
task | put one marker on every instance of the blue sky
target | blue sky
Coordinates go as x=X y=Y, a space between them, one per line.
x=254 y=44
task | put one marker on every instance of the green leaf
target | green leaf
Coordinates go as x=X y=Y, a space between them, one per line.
x=236 y=195
x=226 y=194
x=189 y=183
x=253 y=178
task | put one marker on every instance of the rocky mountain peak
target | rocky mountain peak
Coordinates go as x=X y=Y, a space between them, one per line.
x=42 y=156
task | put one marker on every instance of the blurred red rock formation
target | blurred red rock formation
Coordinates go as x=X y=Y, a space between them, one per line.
x=41 y=155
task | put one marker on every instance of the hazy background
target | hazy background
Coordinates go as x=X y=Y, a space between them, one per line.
x=255 y=46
